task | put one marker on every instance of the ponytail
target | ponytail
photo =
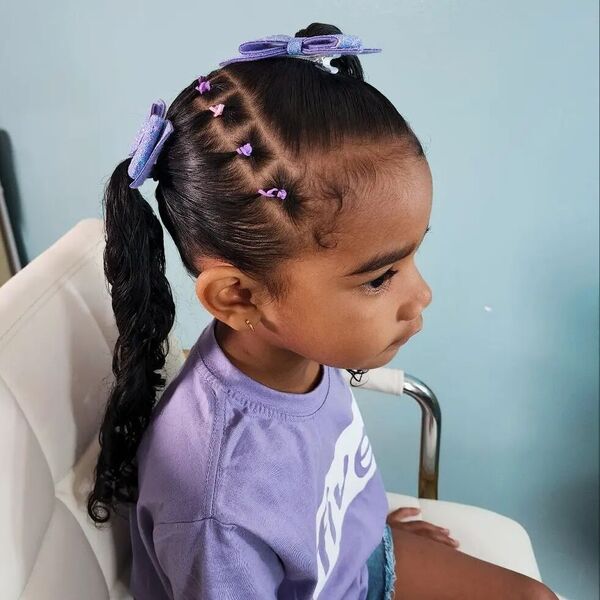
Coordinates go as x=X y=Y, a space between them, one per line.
x=347 y=64
x=142 y=302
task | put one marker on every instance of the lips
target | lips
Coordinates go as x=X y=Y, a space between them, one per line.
x=407 y=336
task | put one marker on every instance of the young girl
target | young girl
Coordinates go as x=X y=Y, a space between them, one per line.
x=297 y=197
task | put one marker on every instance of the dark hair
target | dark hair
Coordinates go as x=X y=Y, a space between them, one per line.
x=314 y=133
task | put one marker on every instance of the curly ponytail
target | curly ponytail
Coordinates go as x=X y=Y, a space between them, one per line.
x=134 y=265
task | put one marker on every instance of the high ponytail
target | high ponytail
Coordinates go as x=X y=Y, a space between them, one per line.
x=347 y=64
x=142 y=302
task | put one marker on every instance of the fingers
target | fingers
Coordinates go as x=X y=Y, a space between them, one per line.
x=405 y=511
x=420 y=527
x=426 y=529
x=435 y=533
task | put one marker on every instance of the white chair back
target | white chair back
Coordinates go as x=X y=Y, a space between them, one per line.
x=57 y=333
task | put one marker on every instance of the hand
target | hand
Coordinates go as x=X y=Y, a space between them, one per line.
x=439 y=534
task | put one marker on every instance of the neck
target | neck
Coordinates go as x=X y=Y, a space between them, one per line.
x=274 y=367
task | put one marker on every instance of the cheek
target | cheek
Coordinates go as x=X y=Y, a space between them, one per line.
x=338 y=327
x=351 y=314
x=348 y=333
x=364 y=326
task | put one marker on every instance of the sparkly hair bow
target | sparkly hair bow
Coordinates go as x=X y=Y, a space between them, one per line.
x=310 y=48
x=148 y=143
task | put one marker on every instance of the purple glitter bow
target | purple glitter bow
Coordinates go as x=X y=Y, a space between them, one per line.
x=148 y=143
x=301 y=47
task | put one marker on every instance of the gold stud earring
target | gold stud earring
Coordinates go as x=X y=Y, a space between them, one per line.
x=249 y=324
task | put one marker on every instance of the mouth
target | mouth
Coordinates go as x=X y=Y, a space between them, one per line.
x=401 y=341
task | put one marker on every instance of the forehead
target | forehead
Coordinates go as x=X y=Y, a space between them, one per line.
x=391 y=213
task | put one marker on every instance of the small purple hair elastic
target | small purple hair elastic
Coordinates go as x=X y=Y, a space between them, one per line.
x=245 y=149
x=271 y=193
x=217 y=109
x=203 y=84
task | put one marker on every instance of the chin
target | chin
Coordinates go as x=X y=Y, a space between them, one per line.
x=373 y=363
x=379 y=360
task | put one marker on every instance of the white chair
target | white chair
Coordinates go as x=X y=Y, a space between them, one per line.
x=57 y=332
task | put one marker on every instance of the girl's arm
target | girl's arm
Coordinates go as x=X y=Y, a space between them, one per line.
x=212 y=560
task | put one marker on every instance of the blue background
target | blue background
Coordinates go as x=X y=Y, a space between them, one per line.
x=504 y=97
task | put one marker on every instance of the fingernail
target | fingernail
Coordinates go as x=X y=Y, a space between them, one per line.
x=446 y=530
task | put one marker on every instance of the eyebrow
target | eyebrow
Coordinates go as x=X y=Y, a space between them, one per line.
x=381 y=260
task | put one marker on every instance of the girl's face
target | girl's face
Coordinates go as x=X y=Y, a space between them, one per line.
x=354 y=305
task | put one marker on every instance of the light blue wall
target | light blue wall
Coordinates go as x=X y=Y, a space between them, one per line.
x=504 y=96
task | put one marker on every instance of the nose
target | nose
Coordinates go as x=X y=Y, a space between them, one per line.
x=425 y=295
x=422 y=295
x=420 y=301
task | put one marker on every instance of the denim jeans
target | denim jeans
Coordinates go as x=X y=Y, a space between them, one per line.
x=381 y=565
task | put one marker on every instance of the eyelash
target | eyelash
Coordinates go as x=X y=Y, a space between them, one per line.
x=386 y=280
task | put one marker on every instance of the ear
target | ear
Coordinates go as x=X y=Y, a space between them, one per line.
x=229 y=295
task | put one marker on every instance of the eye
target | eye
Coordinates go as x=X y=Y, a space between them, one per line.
x=379 y=285
x=382 y=283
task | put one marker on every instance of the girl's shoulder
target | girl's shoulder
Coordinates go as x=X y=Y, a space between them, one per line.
x=178 y=448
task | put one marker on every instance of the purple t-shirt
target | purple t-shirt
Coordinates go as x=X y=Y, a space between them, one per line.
x=248 y=492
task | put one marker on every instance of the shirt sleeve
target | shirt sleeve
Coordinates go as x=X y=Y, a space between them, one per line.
x=216 y=561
